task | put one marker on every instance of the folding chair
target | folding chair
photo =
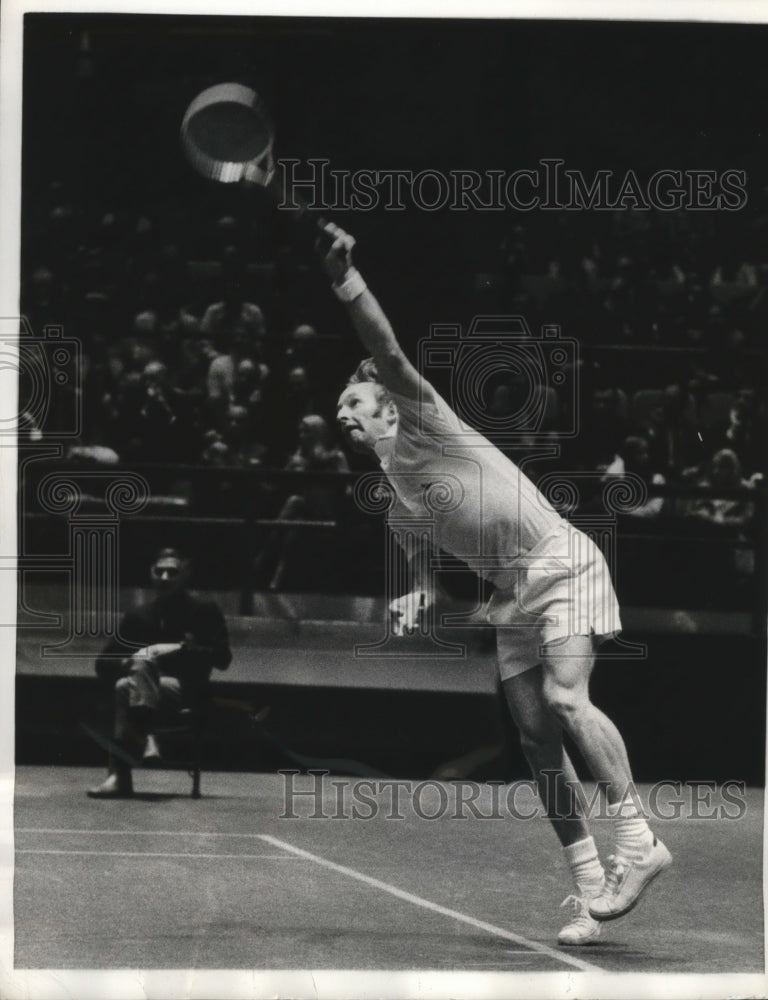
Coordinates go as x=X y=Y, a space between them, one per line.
x=189 y=723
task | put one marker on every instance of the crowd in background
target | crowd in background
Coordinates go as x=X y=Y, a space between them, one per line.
x=191 y=354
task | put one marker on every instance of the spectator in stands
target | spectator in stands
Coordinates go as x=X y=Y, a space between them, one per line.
x=233 y=311
x=743 y=277
x=122 y=405
x=739 y=433
x=634 y=457
x=215 y=449
x=233 y=447
x=512 y=398
x=302 y=348
x=317 y=451
x=146 y=419
x=159 y=427
x=226 y=375
x=188 y=380
x=724 y=473
x=671 y=431
x=162 y=660
x=162 y=316
x=299 y=398
x=300 y=392
x=731 y=568
x=319 y=500
x=189 y=322
x=140 y=346
x=248 y=389
x=604 y=428
x=240 y=435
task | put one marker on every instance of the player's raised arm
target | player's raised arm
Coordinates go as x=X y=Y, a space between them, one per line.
x=369 y=320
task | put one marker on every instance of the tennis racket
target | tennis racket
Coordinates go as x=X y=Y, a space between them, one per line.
x=228 y=136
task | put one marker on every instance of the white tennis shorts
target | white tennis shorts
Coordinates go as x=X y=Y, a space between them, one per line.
x=563 y=588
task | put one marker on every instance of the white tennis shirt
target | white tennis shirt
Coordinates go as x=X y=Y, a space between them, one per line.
x=483 y=509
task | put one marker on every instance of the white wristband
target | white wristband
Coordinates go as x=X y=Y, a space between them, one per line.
x=351 y=287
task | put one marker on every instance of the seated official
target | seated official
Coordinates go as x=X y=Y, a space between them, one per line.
x=169 y=646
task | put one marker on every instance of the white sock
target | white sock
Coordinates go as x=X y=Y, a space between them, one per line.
x=633 y=836
x=585 y=866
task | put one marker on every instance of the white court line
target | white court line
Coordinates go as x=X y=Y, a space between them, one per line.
x=135 y=833
x=425 y=904
x=155 y=854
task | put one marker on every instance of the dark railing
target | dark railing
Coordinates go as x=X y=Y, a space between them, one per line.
x=223 y=516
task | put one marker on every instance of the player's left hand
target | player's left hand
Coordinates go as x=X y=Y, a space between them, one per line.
x=158 y=650
x=407 y=612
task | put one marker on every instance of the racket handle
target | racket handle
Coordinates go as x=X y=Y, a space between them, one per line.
x=297 y=208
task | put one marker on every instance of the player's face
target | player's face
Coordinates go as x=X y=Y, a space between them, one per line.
x=362 y=416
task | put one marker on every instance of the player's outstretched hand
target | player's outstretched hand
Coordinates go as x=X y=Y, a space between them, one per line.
x=407 y=612
x=336 y=247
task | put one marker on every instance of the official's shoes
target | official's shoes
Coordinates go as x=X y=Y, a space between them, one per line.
x=626 y=879
x=115 y=787
x=581 y=928
x=151 y=756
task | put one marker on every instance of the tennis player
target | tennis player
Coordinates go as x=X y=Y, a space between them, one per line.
x=553 y=602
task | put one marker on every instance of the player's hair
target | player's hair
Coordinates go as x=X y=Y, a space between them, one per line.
x=367 y=371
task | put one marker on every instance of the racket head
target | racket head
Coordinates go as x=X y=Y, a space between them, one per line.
x=227 y=135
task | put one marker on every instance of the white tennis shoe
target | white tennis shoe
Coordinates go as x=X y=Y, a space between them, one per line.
x=626 y=879
x=581 y=928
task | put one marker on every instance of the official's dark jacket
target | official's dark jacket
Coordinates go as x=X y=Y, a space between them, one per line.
x=195 y=622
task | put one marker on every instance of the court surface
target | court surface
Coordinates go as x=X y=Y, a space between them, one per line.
x=166 y=882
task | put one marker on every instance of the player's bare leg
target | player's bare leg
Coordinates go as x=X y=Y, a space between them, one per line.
x=639 y=856
x=541 y=737
x=567 y=666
